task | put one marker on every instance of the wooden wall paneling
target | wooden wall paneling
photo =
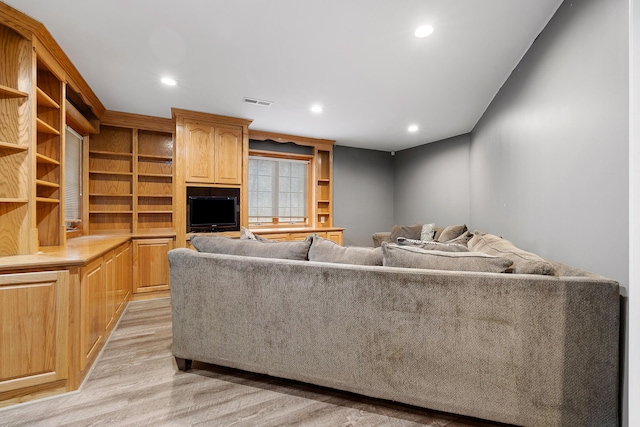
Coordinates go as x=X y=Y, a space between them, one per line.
x=34 y=313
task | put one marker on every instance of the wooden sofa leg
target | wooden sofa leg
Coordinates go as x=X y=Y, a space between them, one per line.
x=183 y=364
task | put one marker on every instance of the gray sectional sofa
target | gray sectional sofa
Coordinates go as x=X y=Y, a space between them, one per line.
x=525 y=349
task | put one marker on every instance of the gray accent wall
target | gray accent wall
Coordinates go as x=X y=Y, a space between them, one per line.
x=362 y=193
x=431 y=183
x=549 y=158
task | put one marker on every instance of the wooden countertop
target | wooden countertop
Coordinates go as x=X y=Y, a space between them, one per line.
x=77 y=252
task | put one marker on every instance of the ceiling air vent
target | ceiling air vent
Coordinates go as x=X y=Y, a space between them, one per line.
x=255 y=101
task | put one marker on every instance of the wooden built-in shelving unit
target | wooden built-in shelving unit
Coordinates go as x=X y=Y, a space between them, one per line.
x=15 y=141
x=131 y=175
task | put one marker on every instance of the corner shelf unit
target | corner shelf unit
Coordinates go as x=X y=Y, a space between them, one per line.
x=130 y=180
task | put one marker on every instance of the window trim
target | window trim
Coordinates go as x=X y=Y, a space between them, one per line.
x=309 y=158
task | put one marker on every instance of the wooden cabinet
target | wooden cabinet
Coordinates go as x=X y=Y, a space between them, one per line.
x=334 y=234
x=105 y=286
x=213 y=154
x=34 y=314
x=151 y=265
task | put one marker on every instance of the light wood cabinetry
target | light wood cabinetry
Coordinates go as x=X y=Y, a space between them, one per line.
x=211 y=151
x=324 y=196
x=151 y=265
x=131 y=175
x=213 y=154
x=334 y=234
x=15 y=137
x=154 y=181
x=50 y=95
x=34 y=314
x=105 y=286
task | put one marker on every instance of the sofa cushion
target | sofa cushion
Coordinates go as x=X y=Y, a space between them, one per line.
x=406 y=231
x=224 y=245
x=325 y=250
x=523 y=262
x=433 y=245
x=451 y=232
x=414 y=257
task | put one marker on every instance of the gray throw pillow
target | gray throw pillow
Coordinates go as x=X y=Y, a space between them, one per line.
x=451 y=232
x=523 y=262
x=224 y=245
x=406 y=231
x=413 y=257
x=325 y=250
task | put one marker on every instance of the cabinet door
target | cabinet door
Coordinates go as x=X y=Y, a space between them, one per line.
x=123 y=276
x=335 y=236
x=92 y=312
x=34 y=314
x=228 y=148
x=110 y=289
x=151 y=265
x=199 y=152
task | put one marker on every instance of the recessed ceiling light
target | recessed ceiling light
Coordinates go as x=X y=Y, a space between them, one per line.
x=169 y=81
x=316 y=108
x=413 y=128
x=424 y=31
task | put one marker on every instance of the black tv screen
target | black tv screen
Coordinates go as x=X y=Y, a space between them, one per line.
x=212 y=212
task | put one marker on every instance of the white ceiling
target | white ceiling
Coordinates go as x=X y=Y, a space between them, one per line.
x=358 y=58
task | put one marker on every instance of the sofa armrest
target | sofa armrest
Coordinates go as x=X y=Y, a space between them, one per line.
x=382 y=236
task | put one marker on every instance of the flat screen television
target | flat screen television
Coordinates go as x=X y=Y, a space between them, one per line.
x=213 y=213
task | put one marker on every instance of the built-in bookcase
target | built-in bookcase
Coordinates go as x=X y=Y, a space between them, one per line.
x=130 y=179
x=155 y=180
x=15 y=110
x=49 y=154
x=323 y=188
x=111 y=180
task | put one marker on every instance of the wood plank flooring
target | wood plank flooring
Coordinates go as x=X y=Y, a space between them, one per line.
x=136 y=383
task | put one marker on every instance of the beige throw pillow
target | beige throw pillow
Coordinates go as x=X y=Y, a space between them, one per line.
x=451 y=232
x=324 y=250
x=414 y=257
x=523 y=262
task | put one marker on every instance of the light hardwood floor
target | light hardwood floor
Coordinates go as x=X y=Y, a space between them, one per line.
x=136 y=383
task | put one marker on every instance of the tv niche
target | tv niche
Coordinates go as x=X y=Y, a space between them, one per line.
x=211 y=210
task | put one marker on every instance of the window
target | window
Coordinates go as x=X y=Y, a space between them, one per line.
x=277 y=190
x=73 y=181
